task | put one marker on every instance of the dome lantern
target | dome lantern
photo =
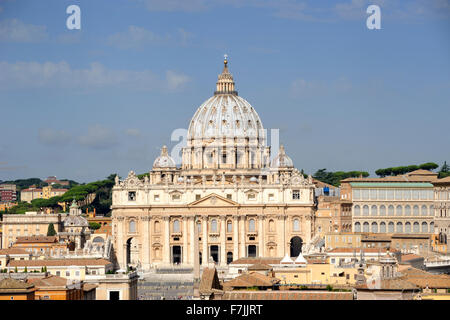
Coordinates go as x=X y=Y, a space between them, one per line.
x=225 y=82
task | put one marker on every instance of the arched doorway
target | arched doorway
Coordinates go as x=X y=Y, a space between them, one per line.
x=176 y=254
x=229 y=257
x=296 y=246
x=214 y=253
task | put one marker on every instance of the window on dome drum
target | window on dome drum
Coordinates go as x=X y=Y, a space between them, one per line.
x=132 y=196
x=251 y=196
x=296 y=195
x=224 y=158
x=156 y=197
x=271 y=196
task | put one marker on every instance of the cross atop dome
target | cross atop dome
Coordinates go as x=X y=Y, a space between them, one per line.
x=225 y=83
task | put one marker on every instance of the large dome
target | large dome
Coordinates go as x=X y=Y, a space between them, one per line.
x=225 y=114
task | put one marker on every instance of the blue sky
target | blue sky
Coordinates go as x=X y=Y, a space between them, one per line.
x=81 y=104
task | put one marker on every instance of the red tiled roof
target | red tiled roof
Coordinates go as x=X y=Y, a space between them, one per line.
x=13 y=251
x=34 y=239
x=287 y=295
x=59 y=262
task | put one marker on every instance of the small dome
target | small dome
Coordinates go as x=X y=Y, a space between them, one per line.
x=164 y=160
x=282 y=160
x=253 y=179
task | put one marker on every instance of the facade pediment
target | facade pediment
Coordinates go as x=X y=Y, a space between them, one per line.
x=213 y=200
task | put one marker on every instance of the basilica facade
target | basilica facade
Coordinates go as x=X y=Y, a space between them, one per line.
x=229 y=199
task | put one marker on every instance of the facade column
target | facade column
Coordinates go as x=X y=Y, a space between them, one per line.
x=223 y=254
x=284 y=236
x=119 y=243
x=192 y=240
x=242 y=253
x=235 y=237
x=145 y=221
x=261 y=236
x=185 y=241
x=205 y=257
x=166 y=249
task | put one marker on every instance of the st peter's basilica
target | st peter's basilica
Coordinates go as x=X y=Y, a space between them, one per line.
x=229 y=199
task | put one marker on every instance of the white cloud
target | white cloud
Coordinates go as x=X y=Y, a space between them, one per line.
x=53 y=137
x=132 y=132
x=14 y=30
x=98 y=137
x=176 y=80
x=137 y=37
x=61 y=75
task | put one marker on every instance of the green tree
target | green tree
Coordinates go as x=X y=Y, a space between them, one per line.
x=51 y=230
x=25 y=270
x=429 y=166
x=94 y=225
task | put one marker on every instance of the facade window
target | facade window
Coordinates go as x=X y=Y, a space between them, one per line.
x=356 y=194
x=296 y=195
x=424 y=210
x=58 y=273
x=407 y=227
x=176 y=226
x=416 y=210
x=399 y=210
x=213 y=225
x=356 y=210
x=382 y=227
x=132 y=196
x=197 y=197
x=365 y=194
x=157 y=227
x=271 y=197
x=416 y=227
x=391 y=210
x=229 y=226
x=374 y=210
x=296 y=225
x=199 y=227
x=382 y=194
x=366 y=210
x=391 y=227
x=251 y=225
x=251 y=196
x=176 y=197
x=156 y=197
x=382 y=210
x=373 y=194
x=407 y=194
x=399 y=228
x=407 y=210
x=424 y=227
x=374 y=227
x=271 y=225
x=390 y=194
x=132 y=226
x=365 y=227
x=229 y=196
x=67 y=273
x=398 y=194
